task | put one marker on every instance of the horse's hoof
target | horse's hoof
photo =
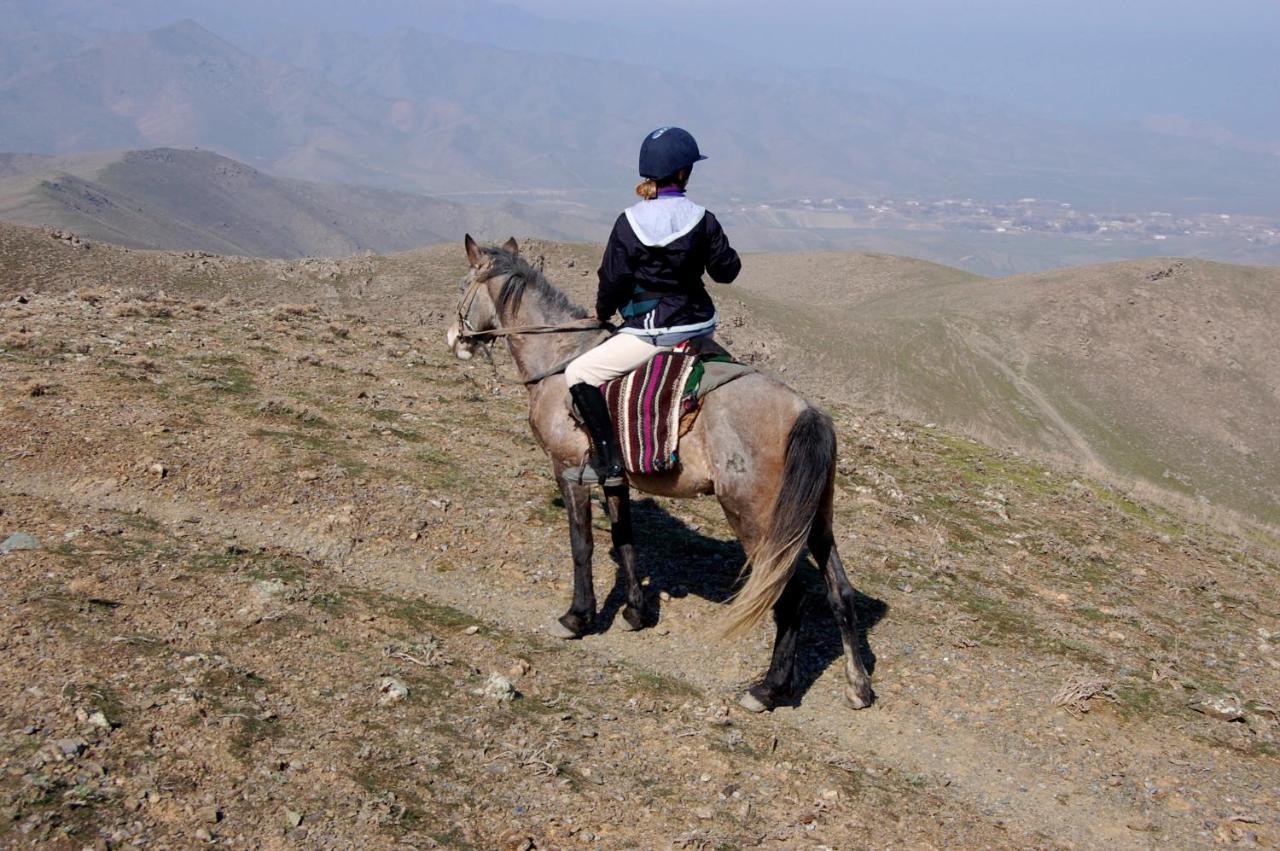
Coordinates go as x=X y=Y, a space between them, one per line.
x=559 y=630
x=752 y=704
x=632 y=619
x=857 y=699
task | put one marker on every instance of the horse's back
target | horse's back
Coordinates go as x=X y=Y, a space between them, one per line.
x=737 y=443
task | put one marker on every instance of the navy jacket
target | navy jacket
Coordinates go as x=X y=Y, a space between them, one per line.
x=654 y=261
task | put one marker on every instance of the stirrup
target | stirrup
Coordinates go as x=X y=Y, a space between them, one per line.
x=587 y=475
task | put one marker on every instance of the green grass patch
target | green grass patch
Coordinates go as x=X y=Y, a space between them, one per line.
x=1138 y=700
x=653 y=684
x=330 y=601
x=442 y=470
x=286 y=570
x=224 y=374
x=220 y=562
x=423 y=615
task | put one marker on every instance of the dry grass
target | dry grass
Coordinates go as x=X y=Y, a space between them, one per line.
x=1075 y=694
x=285 y=312
x=36 y=388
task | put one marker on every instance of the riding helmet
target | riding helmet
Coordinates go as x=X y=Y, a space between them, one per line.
x=667 y=150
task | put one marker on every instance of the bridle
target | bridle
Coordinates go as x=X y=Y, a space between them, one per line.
x=468 y=332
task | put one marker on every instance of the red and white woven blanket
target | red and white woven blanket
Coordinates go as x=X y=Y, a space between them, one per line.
x=645 y=406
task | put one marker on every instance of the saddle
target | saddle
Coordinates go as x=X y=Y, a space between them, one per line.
x=653 y=406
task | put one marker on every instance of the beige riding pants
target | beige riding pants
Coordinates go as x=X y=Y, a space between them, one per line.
x=616 y=356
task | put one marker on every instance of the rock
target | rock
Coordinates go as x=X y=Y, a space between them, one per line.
x=471 y=630
x=203 y=835
x=158 y=470
x=392 y=690
x=71 y=748
x=268 y=589
x=19 y=541
x=499 y=688
x=1222 y=708
x=308 y=475
x=704 y=813
x=292 y=818
x=99 y=719
x=209 y=815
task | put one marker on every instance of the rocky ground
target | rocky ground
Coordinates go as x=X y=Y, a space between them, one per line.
x=294 y=565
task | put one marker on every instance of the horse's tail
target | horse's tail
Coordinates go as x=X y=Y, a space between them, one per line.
x=806 y=480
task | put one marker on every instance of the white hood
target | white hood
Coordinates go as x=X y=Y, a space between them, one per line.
x=664 y=220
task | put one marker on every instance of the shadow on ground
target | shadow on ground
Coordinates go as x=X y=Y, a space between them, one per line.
x=680 y=560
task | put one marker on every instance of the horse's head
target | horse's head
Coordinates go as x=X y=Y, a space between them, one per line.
x=476 y=312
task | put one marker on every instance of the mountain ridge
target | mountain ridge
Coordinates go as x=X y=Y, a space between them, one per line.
x=197 y=200
x=430 y=112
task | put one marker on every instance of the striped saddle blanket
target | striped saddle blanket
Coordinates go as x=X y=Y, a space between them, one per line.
x=646 y=406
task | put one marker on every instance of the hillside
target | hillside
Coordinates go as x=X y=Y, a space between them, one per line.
x=262 y=487
x=1164 y=371
x=197 y=200
x=1161 y=372
x=1088 y=365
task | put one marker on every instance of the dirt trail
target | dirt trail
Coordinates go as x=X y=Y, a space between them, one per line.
x=986 y=775
x=360 y=449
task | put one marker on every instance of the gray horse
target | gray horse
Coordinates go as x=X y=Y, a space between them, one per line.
x=762 y=450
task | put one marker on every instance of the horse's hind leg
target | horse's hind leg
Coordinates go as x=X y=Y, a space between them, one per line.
x=778 y=685
x=581 y=617
x=841 y=597
x=618 y=500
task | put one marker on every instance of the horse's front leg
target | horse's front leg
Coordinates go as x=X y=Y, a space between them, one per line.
x=581 y=617
x=618 y=499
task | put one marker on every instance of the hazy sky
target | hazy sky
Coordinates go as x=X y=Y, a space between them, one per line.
x=1103 y=60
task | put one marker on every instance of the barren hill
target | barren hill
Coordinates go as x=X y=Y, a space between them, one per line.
x=197 y=200
x=1163 y=370
x=260 y=490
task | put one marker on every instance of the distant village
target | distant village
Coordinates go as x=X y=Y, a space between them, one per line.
x=1026 y=215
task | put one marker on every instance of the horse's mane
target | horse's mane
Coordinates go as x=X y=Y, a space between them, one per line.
x=523 y=277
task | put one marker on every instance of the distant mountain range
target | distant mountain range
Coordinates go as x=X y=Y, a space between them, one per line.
x=178 y=199
x=409 y=110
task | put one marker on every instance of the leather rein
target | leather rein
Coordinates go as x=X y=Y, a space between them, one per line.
x=467 y=331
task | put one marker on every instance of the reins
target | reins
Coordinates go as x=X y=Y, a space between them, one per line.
x=468 y=332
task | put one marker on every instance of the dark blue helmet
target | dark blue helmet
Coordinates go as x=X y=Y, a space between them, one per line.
x=667 y=150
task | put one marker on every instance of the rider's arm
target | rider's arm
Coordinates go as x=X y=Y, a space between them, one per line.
x=616 y=282
x=723 y=264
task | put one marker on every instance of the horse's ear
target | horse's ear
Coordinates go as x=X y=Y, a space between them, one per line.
x=473 y=251
x=512 y=246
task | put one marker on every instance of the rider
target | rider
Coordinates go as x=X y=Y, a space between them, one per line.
x=651 y=273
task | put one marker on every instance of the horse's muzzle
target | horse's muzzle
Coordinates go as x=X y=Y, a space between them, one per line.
x=462 y=349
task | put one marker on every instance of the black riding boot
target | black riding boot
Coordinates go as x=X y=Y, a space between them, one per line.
x=605 y=464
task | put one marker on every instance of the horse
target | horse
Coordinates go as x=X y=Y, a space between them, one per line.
x=765 y=453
